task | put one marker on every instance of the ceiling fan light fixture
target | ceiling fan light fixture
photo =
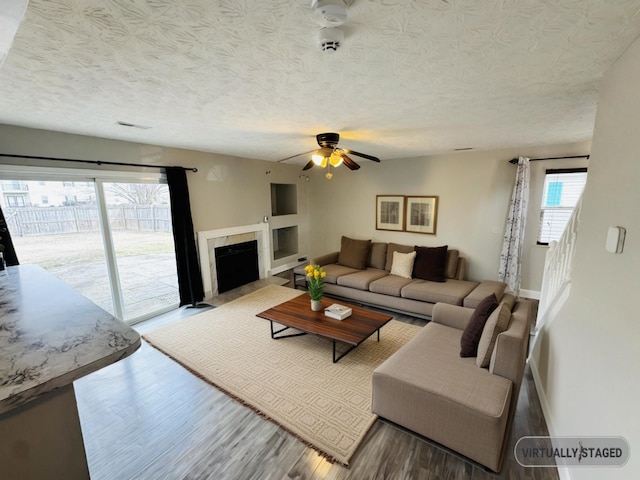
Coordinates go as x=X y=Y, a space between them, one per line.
x=321 y=156
x=335 y=159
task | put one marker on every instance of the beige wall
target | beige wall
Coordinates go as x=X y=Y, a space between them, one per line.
x=474 y=190
x=587 y=362
x=225 y=192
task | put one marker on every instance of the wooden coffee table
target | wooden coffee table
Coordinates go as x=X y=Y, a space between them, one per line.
x=297 y=314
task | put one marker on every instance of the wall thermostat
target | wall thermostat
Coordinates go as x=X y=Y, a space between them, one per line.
x=615 y=239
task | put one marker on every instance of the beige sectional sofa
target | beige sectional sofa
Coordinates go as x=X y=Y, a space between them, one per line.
x=373 y=284
x=464 y=403
x=428 y=388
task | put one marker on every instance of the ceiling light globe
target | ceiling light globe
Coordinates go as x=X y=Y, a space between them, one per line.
x=335 y=159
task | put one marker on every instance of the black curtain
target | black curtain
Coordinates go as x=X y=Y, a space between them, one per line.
x=189 y=279
x=6 y=244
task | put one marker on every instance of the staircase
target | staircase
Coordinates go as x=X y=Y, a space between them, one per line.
x=556 y=281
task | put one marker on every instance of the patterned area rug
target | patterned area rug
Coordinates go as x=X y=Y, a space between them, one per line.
x=291 y=382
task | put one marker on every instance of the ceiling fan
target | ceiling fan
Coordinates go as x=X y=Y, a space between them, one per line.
x=330 y=155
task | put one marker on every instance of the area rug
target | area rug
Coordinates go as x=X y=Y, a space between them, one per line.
x=292 y=381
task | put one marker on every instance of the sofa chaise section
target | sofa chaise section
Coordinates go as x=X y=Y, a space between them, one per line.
x=428 y=388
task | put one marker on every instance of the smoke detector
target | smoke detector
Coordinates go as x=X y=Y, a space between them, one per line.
x=330 y=39
x=329 y=13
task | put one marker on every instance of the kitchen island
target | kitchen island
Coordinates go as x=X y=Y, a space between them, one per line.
x=50 y=336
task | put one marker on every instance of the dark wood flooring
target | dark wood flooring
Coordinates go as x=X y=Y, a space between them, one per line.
x=146 y=417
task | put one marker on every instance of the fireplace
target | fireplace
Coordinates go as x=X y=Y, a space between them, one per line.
x=236 y=265
x=209 y=240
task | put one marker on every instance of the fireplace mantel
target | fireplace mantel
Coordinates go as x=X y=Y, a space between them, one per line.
x=210 y=239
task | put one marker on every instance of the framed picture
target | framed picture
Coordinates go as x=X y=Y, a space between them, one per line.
x=390 y=212
x=422 y=214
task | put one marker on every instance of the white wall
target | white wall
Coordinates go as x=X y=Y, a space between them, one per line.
x=225 y=192
x=587 y=362
x=474 y=190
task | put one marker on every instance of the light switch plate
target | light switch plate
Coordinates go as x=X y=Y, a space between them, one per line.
x=615 y=239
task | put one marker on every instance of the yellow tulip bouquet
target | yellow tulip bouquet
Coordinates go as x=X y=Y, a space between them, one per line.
x=315 y=281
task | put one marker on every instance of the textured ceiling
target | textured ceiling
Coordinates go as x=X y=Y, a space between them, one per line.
x=247 y=77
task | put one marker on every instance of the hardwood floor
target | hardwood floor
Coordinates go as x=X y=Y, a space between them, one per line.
x=146 y=417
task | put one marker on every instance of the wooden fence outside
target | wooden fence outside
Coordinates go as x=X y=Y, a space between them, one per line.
x=56 y=220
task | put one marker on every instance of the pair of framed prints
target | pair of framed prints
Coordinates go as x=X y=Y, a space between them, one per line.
x=403 y=213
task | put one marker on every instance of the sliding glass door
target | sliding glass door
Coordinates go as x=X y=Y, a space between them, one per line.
x=110 y=240
x=139 y=216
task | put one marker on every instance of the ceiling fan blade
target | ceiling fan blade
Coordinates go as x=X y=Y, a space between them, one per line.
x=309 y=165
x=363 y=155
x=296 y=155
x=350 y=164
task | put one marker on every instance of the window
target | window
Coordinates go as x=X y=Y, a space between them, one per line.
x=15 y=201
x=562 y=190
x=122 y=257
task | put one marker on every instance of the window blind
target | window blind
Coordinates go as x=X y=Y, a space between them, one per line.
x=562 y=190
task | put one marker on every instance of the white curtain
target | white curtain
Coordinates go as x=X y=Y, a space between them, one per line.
x=511 y=257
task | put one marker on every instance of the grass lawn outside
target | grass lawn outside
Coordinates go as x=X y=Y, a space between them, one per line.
x=146 y=266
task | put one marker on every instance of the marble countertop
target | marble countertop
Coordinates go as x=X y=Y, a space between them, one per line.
x=50 y=335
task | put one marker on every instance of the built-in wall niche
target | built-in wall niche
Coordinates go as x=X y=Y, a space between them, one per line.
x=284 y=199
x=285 y=242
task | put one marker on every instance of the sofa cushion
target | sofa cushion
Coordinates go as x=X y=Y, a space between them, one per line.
x=447 y=376
x=451 y=268
x=430 y=263
x=473 y=331
x=362 y=278
x=497 y=323
x=377 y=255
x=452 y=291
x=390 y=285
x=334 y=271
x=354 y=253
x=402 y=265
x=395 y=247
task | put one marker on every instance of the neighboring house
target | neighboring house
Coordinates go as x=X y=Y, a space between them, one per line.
x=31 y=193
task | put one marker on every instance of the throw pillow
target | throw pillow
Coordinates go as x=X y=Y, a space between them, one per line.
x=396 y=247
x=402 y=265
x=496 y=324
x=377 y=255
x=472 y=333
x=451 y=268
x=430 y=263
x=354 y=253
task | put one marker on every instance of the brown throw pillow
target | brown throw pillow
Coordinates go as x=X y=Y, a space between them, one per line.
x=396 y=247
x=430 y=263
x=354 y=253
x=472 y=333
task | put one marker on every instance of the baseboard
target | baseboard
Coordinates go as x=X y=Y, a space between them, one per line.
x=563 y=472
x=534 y=294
